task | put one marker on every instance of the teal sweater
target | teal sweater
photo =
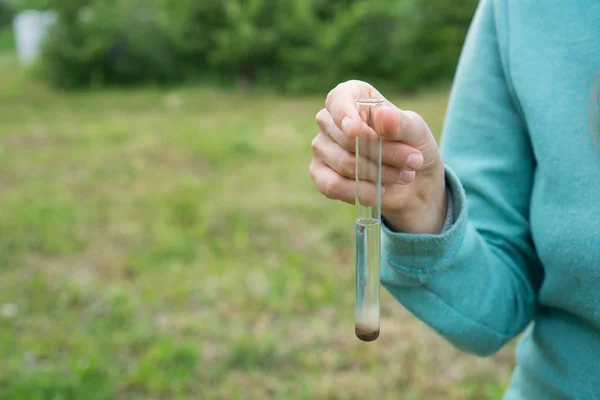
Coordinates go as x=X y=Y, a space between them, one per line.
x=522 y=252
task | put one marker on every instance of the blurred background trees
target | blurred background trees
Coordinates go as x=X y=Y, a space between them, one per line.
x=6 y=13
x=295 y=45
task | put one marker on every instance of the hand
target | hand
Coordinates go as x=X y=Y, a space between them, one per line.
x=413 y=184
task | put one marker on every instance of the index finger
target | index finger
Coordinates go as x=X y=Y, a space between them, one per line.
x=341 y=106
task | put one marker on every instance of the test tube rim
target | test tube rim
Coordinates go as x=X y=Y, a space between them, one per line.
x=369 y=100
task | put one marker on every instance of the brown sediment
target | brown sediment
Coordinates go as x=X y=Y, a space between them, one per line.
x=366 y=333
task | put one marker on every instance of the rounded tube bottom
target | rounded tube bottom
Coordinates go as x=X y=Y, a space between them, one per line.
x=366 y=332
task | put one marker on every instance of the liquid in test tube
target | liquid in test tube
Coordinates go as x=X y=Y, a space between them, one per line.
x=368 y=222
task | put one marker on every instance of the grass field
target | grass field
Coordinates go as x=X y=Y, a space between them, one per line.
x=170 y=244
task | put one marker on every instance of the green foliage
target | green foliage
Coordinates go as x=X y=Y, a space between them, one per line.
x=190 y=26
x=295 y=45
x=108 y=42
x=6 y=13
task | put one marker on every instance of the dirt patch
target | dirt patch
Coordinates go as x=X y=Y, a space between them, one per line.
x=32 y=138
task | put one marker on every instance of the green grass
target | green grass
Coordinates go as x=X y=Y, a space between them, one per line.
x=170 y=244
x=7 y=42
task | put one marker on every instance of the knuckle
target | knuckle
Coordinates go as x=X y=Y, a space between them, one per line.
x=351 y=82
x=416 y=120
x=355 y=82
x=330 y=95
x=349 y=144
x=396 y=157
x=413 y=116
x=334 y=186
x=341 y=86
x=321 y=116
x=315 y=144
x=347 y=164
x=312 y=169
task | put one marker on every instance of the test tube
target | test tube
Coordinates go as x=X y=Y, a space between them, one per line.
x=368 y=222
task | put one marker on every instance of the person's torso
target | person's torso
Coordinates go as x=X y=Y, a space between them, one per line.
x=552 y=51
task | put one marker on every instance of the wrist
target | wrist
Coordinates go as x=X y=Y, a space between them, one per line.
x=426 y=213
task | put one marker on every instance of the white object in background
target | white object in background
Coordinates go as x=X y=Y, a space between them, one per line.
x=30 y=29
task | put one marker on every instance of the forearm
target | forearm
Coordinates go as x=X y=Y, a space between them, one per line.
x=464 y=284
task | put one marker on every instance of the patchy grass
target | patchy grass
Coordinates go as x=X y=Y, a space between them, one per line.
x=170 y=244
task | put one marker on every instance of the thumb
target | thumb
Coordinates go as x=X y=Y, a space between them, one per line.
x=400 y=125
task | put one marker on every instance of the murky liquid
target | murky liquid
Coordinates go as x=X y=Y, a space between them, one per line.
x=368 y=238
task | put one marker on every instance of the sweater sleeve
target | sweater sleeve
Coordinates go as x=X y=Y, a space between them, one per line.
x=476 y=282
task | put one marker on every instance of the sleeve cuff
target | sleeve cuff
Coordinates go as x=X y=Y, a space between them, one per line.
x=416 y=255
x=450 y=217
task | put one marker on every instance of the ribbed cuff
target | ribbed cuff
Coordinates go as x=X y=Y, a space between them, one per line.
x=416 y=255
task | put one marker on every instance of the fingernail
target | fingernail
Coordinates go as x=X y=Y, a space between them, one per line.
x=406 y=176
x=346 y=125
x=414 y=161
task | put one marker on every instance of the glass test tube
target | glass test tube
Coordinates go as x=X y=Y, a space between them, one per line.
x=368 y=222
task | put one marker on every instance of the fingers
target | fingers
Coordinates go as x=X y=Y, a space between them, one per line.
x=328 y=126
x=394 y=124
x=402 y=156
x=335 y=186
x=341 y=105
x=343 y=162
x=394 y=153
x=405 y=126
